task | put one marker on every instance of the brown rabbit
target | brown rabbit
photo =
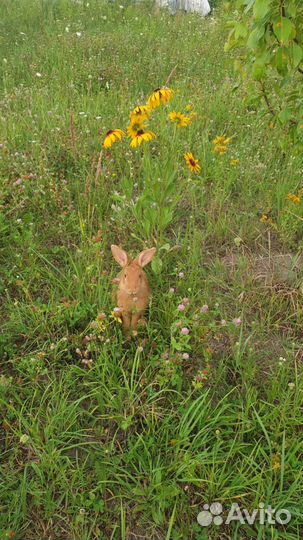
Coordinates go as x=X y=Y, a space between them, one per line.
x=133 y=291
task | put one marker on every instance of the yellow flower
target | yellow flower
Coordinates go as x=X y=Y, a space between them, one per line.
x=142 y=136
x=276 y=461
x=192 y=162
x=116 y=314
x=112 y=137
x=264 y=218
x=227 y=141
x=268 y=220
x=221 y=143
x=234 y=162
x=293 y=198
x=159 y=96
x=180 y=119
x=220 y=149
x=135 y=126
x=220 y=139
x=142 y=112
x=99 y=323
x=101 y=326
x=189 y=107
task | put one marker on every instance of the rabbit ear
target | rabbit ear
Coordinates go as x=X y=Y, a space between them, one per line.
x=145 y=256
x=121 y=256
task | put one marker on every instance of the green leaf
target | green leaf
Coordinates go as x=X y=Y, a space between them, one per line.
x=157 y=265
x=281 y=61
x=285 y=115
x=261 y=8
x=177 y=346
x=166 y=247
x=126 y=423
x=258 y=70
x=241 y=30
x=291 y=10
x=166 y=217
x=297 y=54
x=230 y=43
x=250 y=3
x=284 y=30
x=255 y=37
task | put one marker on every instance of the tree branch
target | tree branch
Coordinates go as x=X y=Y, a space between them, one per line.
x=266 y=99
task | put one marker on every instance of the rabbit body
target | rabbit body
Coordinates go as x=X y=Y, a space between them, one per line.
x=133 y=292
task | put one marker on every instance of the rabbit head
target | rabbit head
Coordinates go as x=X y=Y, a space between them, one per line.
x=132 y=277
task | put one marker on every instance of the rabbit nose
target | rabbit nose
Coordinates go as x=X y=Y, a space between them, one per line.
x=134 y=295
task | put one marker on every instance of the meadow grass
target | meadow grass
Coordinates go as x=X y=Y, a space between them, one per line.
x=102 y=437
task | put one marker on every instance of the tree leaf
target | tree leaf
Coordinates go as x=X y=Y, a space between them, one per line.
x=258 y=70
x=284 y=30
x=230 y=43
x=261 y=8
x=249 y=6
x=297 y=54
x=255 y=36
x=280 y=61
x=241 y=30
x=291 y=10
